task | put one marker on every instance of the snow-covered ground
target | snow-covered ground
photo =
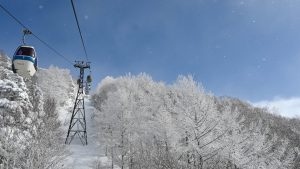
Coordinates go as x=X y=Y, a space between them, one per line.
x=85 y=157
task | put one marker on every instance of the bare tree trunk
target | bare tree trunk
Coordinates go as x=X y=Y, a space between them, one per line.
x=200 y=163
x=131 y=157
x=188 y=153
x=122 y=148
x=112 y=158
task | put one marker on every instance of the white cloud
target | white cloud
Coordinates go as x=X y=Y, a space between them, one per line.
x=288 y=107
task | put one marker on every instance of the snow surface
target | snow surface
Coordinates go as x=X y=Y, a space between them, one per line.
x=85 y=157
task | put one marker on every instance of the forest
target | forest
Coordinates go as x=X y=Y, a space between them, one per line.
x=140 y=124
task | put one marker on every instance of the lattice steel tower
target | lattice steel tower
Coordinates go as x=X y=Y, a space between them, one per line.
x=78 y=123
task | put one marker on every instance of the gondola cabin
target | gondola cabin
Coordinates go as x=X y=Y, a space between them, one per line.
x=89 y=79
x=25 y=61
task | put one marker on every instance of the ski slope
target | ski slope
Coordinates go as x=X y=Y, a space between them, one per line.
x=85 y=157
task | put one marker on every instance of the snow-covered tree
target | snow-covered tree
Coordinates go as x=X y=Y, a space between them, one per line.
x=58 y=83
x=147 y=121
x=30 y=134
x=46 y=148
x=146 y=124
x=257 y=138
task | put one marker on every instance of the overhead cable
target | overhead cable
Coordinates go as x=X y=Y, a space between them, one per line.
x=42 y=41
x=79 y=30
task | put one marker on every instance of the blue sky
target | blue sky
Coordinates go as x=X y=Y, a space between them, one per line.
x=248 y=49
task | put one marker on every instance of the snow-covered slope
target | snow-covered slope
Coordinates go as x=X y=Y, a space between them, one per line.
x=89 y=156
x=145 y=124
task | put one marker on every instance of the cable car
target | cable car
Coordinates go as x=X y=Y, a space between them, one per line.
x=89 y=78
x=87 y=88
x=25 y=61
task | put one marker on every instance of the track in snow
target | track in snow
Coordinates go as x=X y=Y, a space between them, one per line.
x=84 y=157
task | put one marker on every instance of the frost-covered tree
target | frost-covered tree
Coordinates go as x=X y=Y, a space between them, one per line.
x=57 y=83
x=29 y=131
x=257 y=138
x=121 y=121
x=198 y=122
x=15 y=114
x=146 y=124
x=46 y=148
